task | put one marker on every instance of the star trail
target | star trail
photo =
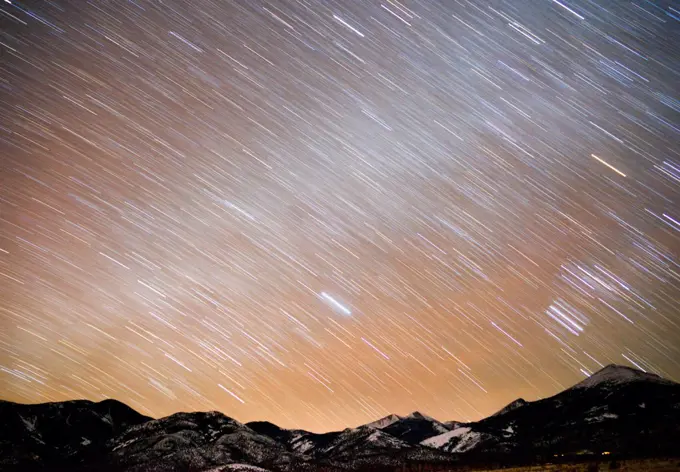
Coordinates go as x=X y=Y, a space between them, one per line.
x=320 y=212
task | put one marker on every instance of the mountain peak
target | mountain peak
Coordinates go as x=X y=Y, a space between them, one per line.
x=391 y=419
x=384 y=422
x=614 y=374
x=520 y=402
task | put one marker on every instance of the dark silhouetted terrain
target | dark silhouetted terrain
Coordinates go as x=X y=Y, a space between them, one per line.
x=617 y=413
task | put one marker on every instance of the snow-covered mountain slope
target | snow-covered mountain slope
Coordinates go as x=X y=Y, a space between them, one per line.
x=613 y=375
x=618 y=410
x=391 y=432
x=463 y=435
x=195 y=440
x=384 y=422
x=239 y=467
x=361 y=440
x=296 y=440
x=414 y=428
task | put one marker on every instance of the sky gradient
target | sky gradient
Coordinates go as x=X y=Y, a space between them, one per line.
x=318 y=213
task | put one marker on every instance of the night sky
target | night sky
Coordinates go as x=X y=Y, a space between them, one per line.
x=320 y=212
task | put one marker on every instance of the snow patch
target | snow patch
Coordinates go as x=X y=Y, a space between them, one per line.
x=440 y=428
x=467 y=442
x=302 y=446
x=108 y=418
x=460 y=439
x=385 y=440
x=597 y=419
x=125 y=444
x=439 y=441
x=241 y=467
x=29 y=422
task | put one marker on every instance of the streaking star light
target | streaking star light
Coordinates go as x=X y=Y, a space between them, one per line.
x=335 y=304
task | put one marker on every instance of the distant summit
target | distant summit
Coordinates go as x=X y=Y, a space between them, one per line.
x=391 y=419
x=416 y=415
x=520 y=402
x=384 y=422
x=618 y=374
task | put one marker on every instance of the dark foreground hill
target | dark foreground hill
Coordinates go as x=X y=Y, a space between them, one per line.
x=616 y=413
